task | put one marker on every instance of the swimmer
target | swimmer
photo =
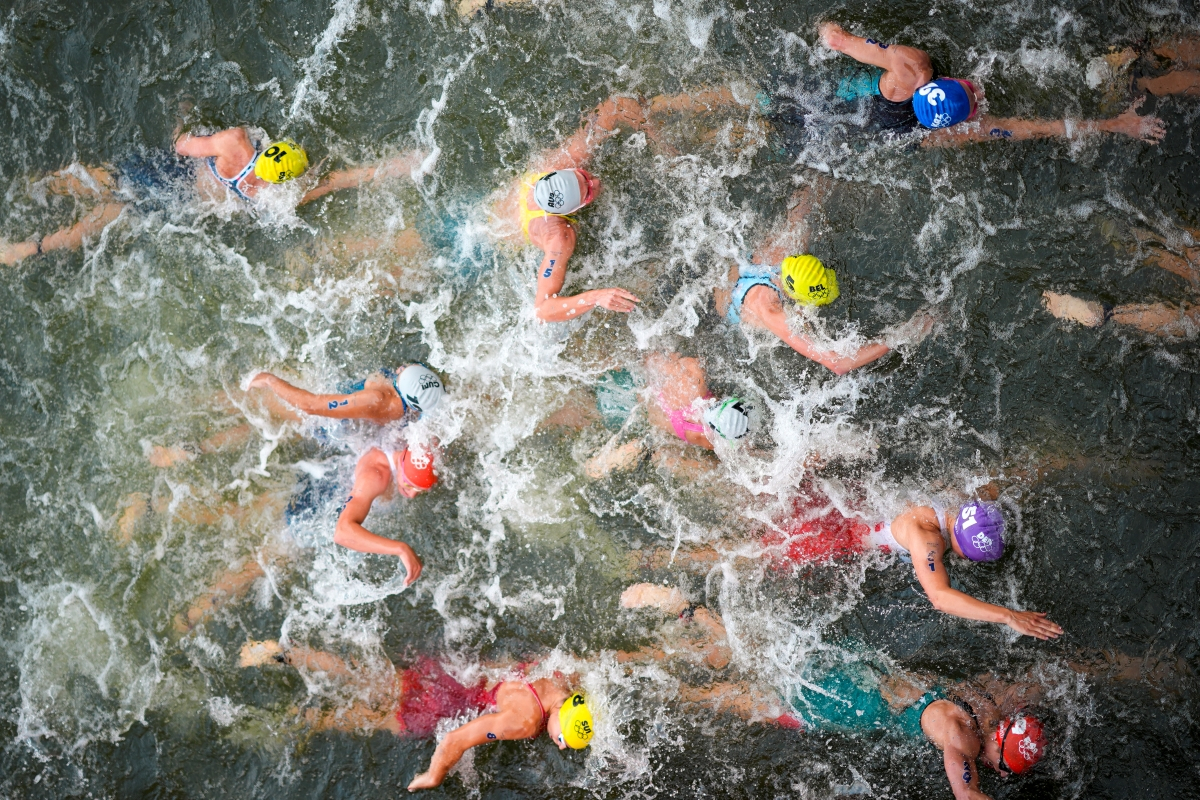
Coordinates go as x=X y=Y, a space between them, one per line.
x=921 y=535
x=387 y=396
x=408 y=472
x=235 y=166
x=544 y=204
x=681 y=405
x=905 y=95
x=984 y=719
x=1161 y=319
x=420 y=696
x=781 y=268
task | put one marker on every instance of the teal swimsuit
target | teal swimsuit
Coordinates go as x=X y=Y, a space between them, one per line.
x=749 y=276
x=847 y=699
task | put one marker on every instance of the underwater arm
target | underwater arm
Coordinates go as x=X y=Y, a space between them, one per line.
x=962 y=774
x=774 y=320
x=399 y=167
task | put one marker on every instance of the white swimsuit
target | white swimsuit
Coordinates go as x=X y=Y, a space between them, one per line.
x=881 y=535
x=391 y=457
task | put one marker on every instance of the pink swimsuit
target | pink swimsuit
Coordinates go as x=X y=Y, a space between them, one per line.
x=678 y=419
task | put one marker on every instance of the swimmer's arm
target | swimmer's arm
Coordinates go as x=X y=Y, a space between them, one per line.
x=963 y=775
x=487 y=728
x=366 y=404
x=1148 y=128
x=868 y=51
x=405 y=165
x=931 y=573
x=371 y=479
x=218 y=144
x=775 y=320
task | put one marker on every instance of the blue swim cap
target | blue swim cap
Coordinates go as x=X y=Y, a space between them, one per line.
x=941 y=103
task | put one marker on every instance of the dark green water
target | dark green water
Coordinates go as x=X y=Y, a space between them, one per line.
x=130 y=344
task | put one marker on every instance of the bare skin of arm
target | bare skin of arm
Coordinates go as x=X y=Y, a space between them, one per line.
x=1149 y=129
x=763 y=308
x=377 y=402
x=356 y=176
x=950 y=729
x=918 y=531
x=906 y=69
x=372 y=478
x=518 y=716
x=556 y=237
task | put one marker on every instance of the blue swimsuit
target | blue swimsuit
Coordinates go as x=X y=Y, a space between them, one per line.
x=749 y=276
x=234 y=184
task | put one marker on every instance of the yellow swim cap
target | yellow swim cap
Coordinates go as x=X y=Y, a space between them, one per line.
x=808 y=281
x=575 y=719
x=282 y=161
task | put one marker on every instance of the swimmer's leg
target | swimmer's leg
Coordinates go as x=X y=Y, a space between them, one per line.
x=744 y=700
x=1185 y=82
x=1160 y=319
x=1184 y=51
x=66 y=239
x=1186 y=266
x=1065 y=306
x=231 y=585
x=615 y=458
x=78 y=180
x=270 y=652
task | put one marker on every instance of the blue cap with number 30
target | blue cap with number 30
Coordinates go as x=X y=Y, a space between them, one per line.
x=941 y=103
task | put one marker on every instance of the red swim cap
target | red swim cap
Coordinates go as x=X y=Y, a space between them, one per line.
x=1022 y=742
x=418 y=469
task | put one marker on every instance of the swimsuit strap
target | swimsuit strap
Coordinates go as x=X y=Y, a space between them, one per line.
x=234 y=184
x=748 y=277
x=391 y=458
x=545 y=716
x=965 y=706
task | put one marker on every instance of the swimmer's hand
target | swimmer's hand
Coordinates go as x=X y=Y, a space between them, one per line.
x=832 y=35
x=412 y=564
x=1033 y=623
x=423 y=781
x=1149 y=129
x=614 y=299
x=261 y=381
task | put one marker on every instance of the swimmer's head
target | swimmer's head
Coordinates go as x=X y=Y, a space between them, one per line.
x=979 y=531
x=416 y=472
x=565 y=191
x=807 y=281
x=420 y=388
x=729 y=418
x=572 y=726
x=281 y=162
x=1018 y=743
x=946 y=102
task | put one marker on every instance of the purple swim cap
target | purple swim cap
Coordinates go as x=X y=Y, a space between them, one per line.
x=979 y=531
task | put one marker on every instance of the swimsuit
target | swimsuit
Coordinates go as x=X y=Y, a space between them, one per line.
x=528 y=214
x=750 y=276
x=848 y=699
x=616 y=397
x=678 y=419
x=234 y=184
x=153 y=179
x=429 y=695
x=881 y=534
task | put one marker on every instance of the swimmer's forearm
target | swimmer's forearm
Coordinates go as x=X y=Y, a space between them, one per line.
x=353 y=535
x=989 y=129
x=961 y=604
x=561 y=309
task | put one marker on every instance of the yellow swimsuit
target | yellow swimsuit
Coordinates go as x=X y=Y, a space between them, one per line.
x=528 y=214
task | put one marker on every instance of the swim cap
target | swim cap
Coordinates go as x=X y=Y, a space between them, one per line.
x=558 y=192
x=1022 y=742
x=731 y=418
x=281 y=161
x=941 y=103
x=979 y=531
x=419 y=387
x=806 y=280
x=418 y=468
x=575 y=719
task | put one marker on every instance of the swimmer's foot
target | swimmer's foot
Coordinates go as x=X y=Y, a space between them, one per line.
x=667 y=599
x=1064 y=306
x=16 y=253
x=257 y=654
x=166 y=457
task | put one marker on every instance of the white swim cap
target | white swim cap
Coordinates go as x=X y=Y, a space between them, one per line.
x=419 y=387
x=730 y=418
x=558 y=192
